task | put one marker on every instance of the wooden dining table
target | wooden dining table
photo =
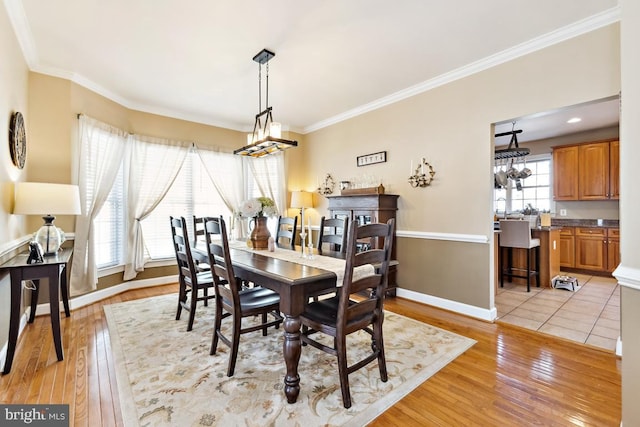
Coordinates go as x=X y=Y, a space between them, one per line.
x=295 y=283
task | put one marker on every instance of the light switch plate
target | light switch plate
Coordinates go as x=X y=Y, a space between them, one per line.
x=563 y=212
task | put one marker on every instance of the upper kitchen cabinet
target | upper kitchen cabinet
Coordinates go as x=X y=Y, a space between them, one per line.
x=614 y=170
x=586 y=171
x=565 y=173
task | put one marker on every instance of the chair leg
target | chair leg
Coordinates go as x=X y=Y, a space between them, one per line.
x=217 y=322
x=378 y=342
x=341 y=350
x=528 y=270
x=235 y=342
x=205 y=292
x=501 y=267
x=264 y=321
x=182 y=297
x=192 y=307
x=537 y=251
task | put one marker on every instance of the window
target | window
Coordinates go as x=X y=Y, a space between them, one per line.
x=192 y=193
x=534 y=190
x=109 y=229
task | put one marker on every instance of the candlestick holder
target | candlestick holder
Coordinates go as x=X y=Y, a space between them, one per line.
x=303 y=236
x=310 y=250
x=419 y=177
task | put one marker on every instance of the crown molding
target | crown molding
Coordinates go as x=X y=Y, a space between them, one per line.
x=23 y=33
x=578 y=28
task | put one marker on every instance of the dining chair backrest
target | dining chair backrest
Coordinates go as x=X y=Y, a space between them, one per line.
x=287 y=229
x=197 y=223
x=515 y=233
x=333 y=231
x=220 y=260
x=352 y=315
x=184 y=258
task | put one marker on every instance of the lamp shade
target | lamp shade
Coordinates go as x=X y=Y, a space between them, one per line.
x=301 y=199
x=39 y=198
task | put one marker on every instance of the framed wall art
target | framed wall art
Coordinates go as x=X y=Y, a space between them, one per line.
x=370 y=159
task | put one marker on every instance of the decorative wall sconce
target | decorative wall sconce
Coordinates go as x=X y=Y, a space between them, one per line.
x=419 y=177
x=327 y=186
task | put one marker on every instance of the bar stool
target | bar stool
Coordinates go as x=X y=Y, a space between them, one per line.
x=517 y=234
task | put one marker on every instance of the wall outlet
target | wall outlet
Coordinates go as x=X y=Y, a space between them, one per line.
x=563 y=212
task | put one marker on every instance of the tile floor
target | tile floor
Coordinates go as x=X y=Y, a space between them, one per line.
x=589 y=315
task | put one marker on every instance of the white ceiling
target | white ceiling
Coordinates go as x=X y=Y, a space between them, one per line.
x=334 y=58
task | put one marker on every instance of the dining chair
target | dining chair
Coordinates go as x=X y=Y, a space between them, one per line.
x=515 y=233
x=341 y=315
x=333 y=231
x=197 y=240
x=287 y=229
x=192 y=282
x=233 y=301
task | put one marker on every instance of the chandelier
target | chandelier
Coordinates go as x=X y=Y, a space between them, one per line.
x=266 y=137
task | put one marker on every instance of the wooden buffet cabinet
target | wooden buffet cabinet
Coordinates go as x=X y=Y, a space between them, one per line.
x=589 y=171
x=368 y=208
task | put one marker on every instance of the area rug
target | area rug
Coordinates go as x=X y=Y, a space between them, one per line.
x=166 y=376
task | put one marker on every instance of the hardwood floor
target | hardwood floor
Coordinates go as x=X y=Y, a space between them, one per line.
x=512 y=376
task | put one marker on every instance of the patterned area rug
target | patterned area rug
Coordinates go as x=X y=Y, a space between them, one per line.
x=166 y=376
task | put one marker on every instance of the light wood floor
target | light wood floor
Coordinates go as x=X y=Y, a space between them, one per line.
x=512 y=376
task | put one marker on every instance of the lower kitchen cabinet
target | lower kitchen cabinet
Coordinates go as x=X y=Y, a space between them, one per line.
x=591 y=249
x=613 y=249
x=567 y=247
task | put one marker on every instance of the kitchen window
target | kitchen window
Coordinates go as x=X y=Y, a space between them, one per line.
x=534 y=190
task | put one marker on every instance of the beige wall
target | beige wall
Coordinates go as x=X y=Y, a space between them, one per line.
x=13 y=97
x=628 y=273
x=451 y=127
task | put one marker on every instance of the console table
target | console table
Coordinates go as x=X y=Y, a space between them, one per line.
x=54 y=268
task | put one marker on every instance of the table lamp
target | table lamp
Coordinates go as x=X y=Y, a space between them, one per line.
x=301 y=200
x=37 y=198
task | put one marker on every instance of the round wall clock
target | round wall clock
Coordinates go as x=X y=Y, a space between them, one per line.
x=18 y=140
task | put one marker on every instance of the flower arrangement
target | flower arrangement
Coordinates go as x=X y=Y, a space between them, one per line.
x=260 y=206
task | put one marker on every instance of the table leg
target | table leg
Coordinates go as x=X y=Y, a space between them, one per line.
x=64 y=289
x=292 y=348
x=54 y=306
x=34 y=299
x=14 y=320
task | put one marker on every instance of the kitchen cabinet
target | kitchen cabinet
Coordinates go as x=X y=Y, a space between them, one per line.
x=591 y=247
x=565 y=173
x=586 y=171
x=593 y=171
x=567 y=247
x=613 y=249
x=614 y=170
x=368 y=208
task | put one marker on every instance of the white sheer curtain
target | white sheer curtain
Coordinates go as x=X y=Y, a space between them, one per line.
x=269 y=176
x=101 y=150
x=154 y=164
x=225 y=172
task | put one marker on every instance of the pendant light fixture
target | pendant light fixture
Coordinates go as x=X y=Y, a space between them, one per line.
x=266 y=137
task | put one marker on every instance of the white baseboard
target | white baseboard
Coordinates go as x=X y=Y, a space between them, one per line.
x=3 y=351
x=95 y=296
x=458 y=307
x=619 y=347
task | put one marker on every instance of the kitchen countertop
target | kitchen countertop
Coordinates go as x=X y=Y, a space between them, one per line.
x=569 y=222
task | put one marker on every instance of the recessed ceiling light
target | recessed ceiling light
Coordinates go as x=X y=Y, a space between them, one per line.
x=574 y=120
